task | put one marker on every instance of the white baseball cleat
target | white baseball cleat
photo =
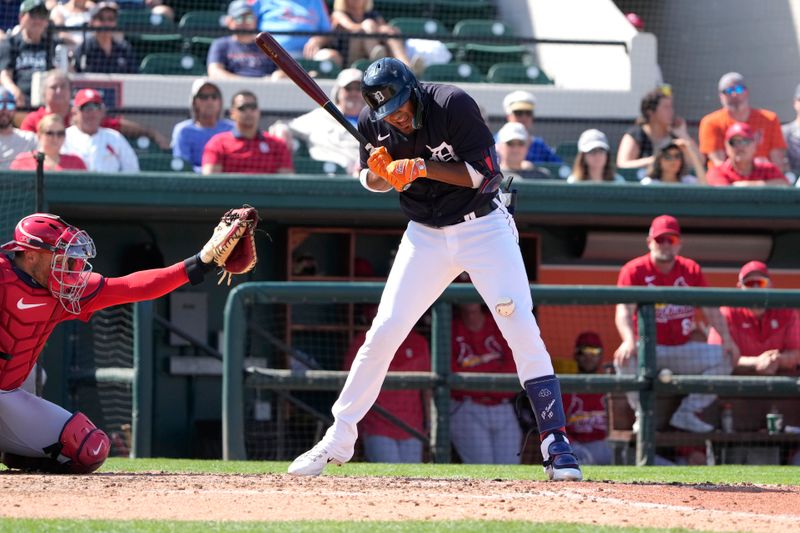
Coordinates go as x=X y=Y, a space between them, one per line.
x=688 y=421
x=314 y=461
x=560 y=464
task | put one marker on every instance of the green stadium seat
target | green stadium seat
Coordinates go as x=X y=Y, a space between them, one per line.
x=451 y=11
x=172 y=63
x=361 y=64
x=485 y=55
x=463 y=72
x=149 y=33
x=306 y=165
x=390 y=9
x=567 y=151
x=556 y=170
x=517 y=73
x=481 y=28
x=324 y=69
x=162 y=162
x=200 y=28
x=632 y=174
x=418 y=26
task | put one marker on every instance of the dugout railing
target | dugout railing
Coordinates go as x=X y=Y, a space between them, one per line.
x=440 y=380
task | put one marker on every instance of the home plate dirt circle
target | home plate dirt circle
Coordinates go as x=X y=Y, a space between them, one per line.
x=274 y=497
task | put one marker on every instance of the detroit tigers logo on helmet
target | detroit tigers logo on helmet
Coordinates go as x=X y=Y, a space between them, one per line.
x=379 y=97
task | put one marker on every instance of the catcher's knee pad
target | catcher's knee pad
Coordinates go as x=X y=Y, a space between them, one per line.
x=83 y=444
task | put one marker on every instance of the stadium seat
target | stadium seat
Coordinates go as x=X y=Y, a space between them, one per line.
x=485 y=55
x=324 y=69
x=390 y=9
x=163 y=162
x=200 y=28
x=306 y=165
x=451 y=11
x=170 y=63
x=149 y=33
x=567 y=151
x=517 y=73
x=418 y=26
x=452 y=72
x=632 y=174
x=361 y=64
x=481 y=28
x=556 y=170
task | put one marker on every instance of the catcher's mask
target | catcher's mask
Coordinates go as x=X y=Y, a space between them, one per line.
x=388 y=84
x=71 y=247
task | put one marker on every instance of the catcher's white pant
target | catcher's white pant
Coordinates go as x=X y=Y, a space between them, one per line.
x=485 y=434
x=427 y=260
x=29 y=424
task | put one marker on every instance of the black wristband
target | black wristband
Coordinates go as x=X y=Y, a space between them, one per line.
x=196 y=270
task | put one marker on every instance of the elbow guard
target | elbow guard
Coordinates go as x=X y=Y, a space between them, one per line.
x=485 y=172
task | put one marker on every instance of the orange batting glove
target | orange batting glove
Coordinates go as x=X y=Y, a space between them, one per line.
x=403 y=171
x=378 y=160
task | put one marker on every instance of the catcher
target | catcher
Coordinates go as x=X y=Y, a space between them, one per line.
x=49 y=280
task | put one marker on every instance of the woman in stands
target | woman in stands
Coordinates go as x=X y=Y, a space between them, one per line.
x=75 y=14
x=357 y=16
x=51 y=134
x=655 y=128
x=670 y=166
x=593 y=162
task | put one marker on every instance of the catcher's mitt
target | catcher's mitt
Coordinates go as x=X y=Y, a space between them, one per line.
x=232 y=246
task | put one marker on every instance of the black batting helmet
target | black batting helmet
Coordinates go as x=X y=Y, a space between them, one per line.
x=388 y=84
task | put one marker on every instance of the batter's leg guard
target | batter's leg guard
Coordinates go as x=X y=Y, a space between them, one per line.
x=559 y=463
x=81 y=447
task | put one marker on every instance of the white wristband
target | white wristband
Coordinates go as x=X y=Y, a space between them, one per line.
x=363 y=176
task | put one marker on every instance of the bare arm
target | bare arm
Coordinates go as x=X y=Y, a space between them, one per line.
x=778 y=157
x=718 y=322
x=692 y=154
x=775 y=182
x=628 y=154
x=130 y=128
x=340 y=19
x=717 y=157
x=217 y=72
x=7 y=79
x=623 y=319
x=209 y=168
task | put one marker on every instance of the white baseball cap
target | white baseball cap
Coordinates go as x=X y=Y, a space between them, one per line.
x=512 y=131
x=519 y=101
x=345 y=78
x=591 y=139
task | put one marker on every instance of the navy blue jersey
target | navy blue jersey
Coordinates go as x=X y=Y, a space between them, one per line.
x=452 y=130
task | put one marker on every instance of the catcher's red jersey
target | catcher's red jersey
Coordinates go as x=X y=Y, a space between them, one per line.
x=28 y=312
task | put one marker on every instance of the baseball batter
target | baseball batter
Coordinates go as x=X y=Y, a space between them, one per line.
x=49 y=280
x=433 y=146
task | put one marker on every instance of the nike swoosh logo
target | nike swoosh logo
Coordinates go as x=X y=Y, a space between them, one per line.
x=22 y=305
x=330 y=459
x=97 y=450
x=381 y=138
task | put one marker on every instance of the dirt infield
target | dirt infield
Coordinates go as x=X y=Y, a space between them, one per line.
x=274 y=497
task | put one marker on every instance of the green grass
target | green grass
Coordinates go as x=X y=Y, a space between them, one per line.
x=726 y=474
x=459 y=526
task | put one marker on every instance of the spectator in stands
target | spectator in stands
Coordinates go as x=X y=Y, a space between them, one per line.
x=238 y=56
x=25 y=52
x=735 y=100
x=680 y=345
x=105 y=51
x=51 y=137
x=73 y=14
x=791 y=134
x=741 y=168
x=190 y=136
x=655 y=128
x=768 y=339
x=57 y=94
x=102 y=149
x=670 y=165
x=12 y=140
x=246 y=149
x=358 y=16
x=483 y=425
x=593 y=162
x=298 y=15
x=587 y=420
x=513 y=141
x=520 y=106
x=156 y=7
x=325 y=137
x=384 y=441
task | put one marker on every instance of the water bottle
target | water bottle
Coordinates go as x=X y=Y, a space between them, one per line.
x=727 y=418
x=61 y=59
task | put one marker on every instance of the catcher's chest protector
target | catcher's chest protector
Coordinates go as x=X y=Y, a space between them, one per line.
x=28 y=315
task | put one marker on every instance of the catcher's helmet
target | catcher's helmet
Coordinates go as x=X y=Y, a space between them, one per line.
x=71 y=247
x=388 y=84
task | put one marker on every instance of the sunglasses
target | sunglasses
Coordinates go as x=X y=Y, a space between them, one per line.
x=353 y=87
x=515 y=143
x=108 y=18
x=207 y=96
x=666 y=90
x=668 y=239
x=241 y=19
x=735 y=89
x=247 y=107
x=593 y=351
x=736 y=143
x=8 y=105
x=55 y=133
x=522 y=113
x=39 y=13
x=756 y=283
x=91 y=106
x=672 y=156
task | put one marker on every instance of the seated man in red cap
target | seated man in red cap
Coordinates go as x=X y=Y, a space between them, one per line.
x=741 y=168
x=680 y=345
x=768 y=339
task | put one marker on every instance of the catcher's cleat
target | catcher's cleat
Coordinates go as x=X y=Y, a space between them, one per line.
x=314 y=461
x=560 y=464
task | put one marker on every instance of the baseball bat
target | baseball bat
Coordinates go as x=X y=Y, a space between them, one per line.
x=306 y=83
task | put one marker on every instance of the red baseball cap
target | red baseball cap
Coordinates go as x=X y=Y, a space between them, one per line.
x=588 y=339
x=753 y=267
x=86 y=96
x=739 y=129
x=663 y=225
